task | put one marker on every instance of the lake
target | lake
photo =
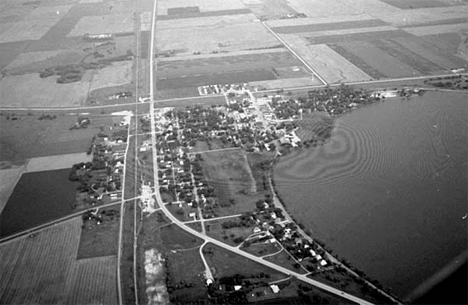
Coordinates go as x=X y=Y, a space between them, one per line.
x=38 y=197
x=389 y=190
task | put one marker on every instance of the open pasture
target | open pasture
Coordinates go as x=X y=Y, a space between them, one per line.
x=422 y=16
x=194 y=81
x=320 y=8
x=44 y=137
x=117 y=74
x=269 y=9
x=225 y=263
x=105 y=24
x=29 y=90
x=213 y=34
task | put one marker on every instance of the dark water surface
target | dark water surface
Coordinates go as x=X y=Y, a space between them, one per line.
x=38 y=197
x=389 y=190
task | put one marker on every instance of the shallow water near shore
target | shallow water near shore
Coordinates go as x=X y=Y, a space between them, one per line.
x=388 y=191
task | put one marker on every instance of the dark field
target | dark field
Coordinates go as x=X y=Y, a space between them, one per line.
x=369 y=36
x=438 y=22
x=328 y=26
x=37 y=198
x=194 y=12
x=216 y=78
x=413 y=4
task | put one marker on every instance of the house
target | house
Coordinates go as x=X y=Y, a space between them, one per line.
x=323 y=262
x=257 y=230
x=275 y=288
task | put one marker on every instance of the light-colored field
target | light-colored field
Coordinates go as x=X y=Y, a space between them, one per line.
x=321 y=8
x=287 y=83
x=25 y=60
x=205 y=35
x=34 y=269
x=437 y=29
x=214 y=21
x=29 y=90
x=43 y=270
x=204 y=5
x=220 y=55
x=371 y=7
x=34 y=25
x=119 y=73
x=327 y=63
x=56 y=162
x=105 y=24
x=421 y=16
x=93 y=281
x=319 y=20
x=8 y=179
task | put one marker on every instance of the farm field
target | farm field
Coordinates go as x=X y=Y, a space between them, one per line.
x=37 y=198
x=56 y=162
x=9 y=177
x=41 y=269
x=378 y=41
x=174 y=7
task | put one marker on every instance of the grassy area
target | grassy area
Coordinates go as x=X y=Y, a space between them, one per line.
x=44 y=137
x=100 y=239
x=262 y=249
x=127 y=254
x=232 y=236
x=259 y=163
x=345 y=282
x=195 y=225
x=185 y=281
x=229 y=173
x=225 y=263
x=175 y=238
x=283 y=259
x=181 y=213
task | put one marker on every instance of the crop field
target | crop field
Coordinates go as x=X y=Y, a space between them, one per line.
x=437 y=29
x=327 y=63
x=213 y=34
x=35 y=24
x=415 y=4
x=263 y=59
x=226 y=263
x=93 y=281
x=37 y=198
x=108 y=24
x=168 y=7
x=35 y=269
x=341 y=25
x=356 y=35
